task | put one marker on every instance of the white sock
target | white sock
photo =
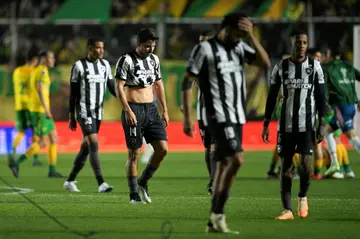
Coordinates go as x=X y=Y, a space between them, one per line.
x=330 y=140
x=355 y=142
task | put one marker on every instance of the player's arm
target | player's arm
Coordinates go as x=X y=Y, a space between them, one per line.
x=121 y=72
x=259 y=55
x=160 y=92
x=39 y=86
x=195 y=64
x=110 y=83
x=75 y=77
x=320 y=100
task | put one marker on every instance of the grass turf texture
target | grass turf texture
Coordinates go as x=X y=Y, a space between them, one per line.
x=178 y=192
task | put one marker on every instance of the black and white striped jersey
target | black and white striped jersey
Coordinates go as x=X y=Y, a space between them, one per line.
x=303 y=94
x=137 y=71
x=92 y=79
x=222 y=81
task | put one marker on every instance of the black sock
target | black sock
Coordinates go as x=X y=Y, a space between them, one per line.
x=95 y=162
x=304 y=182
x=220 y=202
x=213 y=165
x=79 y=162
x=286 y=183
x=147 y=174
x=208 y=160
x=133 y=184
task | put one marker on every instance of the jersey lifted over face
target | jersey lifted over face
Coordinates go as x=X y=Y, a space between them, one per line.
x=137 y=71
x=340 y=78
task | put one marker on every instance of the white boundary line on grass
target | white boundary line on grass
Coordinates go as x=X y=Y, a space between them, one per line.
x=104 y=196
x=18 y=190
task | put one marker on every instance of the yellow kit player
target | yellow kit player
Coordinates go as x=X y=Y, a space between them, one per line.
x=41 y=117
x=21 y=81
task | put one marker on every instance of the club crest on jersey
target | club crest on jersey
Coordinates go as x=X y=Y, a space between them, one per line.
x=102 y=68
x=309 y=70
x=152 y=62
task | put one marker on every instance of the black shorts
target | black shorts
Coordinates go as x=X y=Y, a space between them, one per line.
x=149 y=125
x=206 y=137
x=89 y=126
x=290 y=143
x=228 y=137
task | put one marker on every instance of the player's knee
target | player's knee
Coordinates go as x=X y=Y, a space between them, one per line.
x=211 y=147
x=238 y=160
x=93 y=146
x=134 y=154
x=162 y=150
x=84 y=149
x=306 y=163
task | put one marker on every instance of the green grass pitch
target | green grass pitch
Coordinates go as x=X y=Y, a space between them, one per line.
x=178 y=192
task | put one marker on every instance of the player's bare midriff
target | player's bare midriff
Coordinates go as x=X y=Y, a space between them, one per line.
x=139 y=94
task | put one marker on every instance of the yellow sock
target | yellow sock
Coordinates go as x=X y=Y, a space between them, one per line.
x=296 y=160
x=17 y=140
x=345 y=156
x=52 y=156
x=33 y=149
x=339 y=153
x=318 y=163
x=274 y=159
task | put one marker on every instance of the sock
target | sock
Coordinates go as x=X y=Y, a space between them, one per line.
x=33 y=149
x=208 y=160
x=95 y=162
x=221 y=198
x=147 y=174
x=339 y=154
x=331 y=148
x=345 y=159
x=296 y=160
x=318 y=163
x=35 y=157
x=304 y=183
x=79 y=162
x=274 y=160
x=17 y=141
x=355 y=142
x=133 y=184
x=52 y=157
x=286 y=184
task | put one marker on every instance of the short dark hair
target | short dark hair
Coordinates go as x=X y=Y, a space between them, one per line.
x=232 y=19
x=298 y=32
x=147 y=34
x=208 y=33
x=93 y=40
x=336 y=50
x=43 y=53
x=31 y=54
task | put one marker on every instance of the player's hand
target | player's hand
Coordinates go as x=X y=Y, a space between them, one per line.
x=165 y=118
x=358 y=107
x=188 y=127
x=48 y=114
x=131 y=118
x=320 y=132
x=265 y=135
x=72 y=123
x=246 y=25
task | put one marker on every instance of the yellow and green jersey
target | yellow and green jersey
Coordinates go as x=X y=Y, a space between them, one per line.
x=21 y=81
x=39 y=75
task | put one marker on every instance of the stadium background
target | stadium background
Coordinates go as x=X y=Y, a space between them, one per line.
x=63 y=26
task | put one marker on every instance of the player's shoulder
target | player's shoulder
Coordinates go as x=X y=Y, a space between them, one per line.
x=124 y=58
x=104 y=62
x=154 y=57
x=242 y=45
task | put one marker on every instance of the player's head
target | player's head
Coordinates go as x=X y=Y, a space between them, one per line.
x=32 y=57
x=335 y=51
x=231 y=24
x=325 y=54
x=47 y=58
x=206 y=35
x=146 y=42
x=95 y=47
x=298 y=43
x=314 y=54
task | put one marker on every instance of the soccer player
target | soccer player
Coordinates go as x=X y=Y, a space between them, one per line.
x=138 y=74
x=218 y=65
x=21 y=80
x=89 y=79
x=207 y=139
x=303 y=90
x=340 y=78
x=41 y=117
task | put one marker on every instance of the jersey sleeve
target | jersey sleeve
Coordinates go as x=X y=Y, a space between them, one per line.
x=75 y=74
x=157 y=69
x=196 y=60
x=249 y=53
x=122 y=67
x=319 y=89
x=275 y=84
x=40 y=76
